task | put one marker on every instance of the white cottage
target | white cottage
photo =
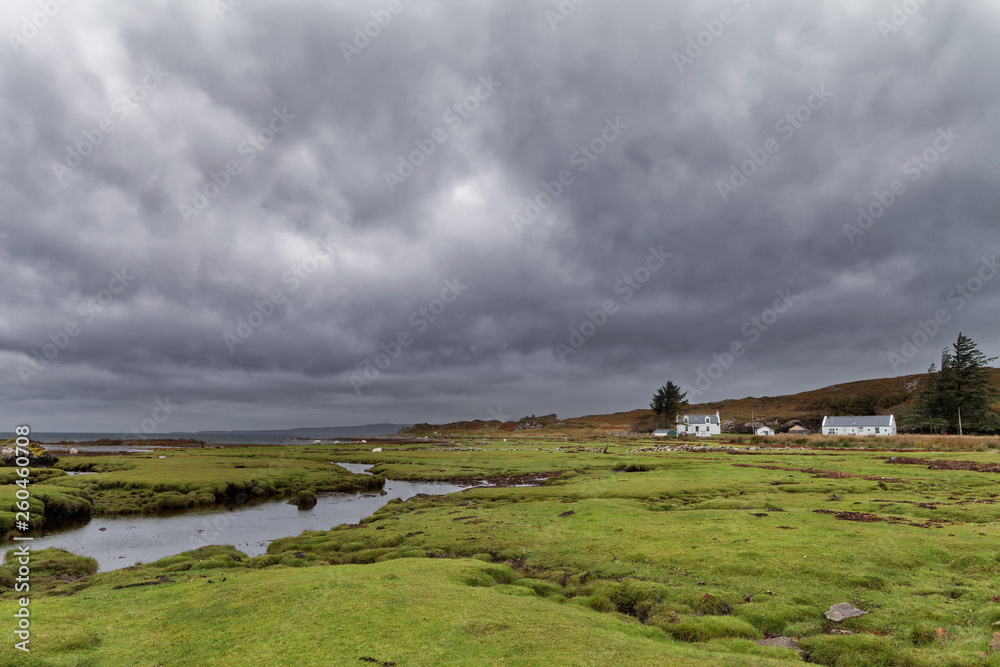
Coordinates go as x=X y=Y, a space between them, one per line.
x=764 y=430
x=699 y=425
x=870 y=425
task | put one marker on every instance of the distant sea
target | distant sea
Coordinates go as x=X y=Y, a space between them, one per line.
x=285 y=437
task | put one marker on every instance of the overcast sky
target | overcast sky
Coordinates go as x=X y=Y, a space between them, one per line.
x=219 y=214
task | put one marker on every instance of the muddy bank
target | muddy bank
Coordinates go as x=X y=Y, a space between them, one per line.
x=504 y=481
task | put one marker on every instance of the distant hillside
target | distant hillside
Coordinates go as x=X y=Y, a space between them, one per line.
x=879 y=396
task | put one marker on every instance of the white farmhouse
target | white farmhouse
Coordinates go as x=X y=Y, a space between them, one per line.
x=871 y=425
x=699 y=425
x=764 y=430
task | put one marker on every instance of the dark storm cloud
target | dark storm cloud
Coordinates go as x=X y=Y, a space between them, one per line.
x=241 y=206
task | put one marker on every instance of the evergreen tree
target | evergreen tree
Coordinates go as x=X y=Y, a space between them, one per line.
x=964 y=384
x=667 y=402
x=924 y=413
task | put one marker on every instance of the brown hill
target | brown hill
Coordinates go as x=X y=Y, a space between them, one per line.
x=878 y=396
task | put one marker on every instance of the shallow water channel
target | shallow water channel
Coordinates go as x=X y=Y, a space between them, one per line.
x=117 y=542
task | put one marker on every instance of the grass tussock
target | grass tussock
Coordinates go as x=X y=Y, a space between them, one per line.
x=51 y=571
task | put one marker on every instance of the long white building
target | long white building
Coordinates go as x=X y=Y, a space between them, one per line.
x=870 y=425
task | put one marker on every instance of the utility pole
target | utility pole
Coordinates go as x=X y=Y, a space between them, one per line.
x=960 y=421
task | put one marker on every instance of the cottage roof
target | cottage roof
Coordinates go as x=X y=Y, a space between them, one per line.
x=700 y=419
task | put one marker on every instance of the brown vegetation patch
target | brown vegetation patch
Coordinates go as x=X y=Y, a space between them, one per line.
x=934 y=505
x=945 y=465
x=867 y=517
x=825 y=474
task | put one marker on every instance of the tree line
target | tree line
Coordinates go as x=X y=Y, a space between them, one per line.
x=960 y=396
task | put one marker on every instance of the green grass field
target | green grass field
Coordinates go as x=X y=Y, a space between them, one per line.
x=680 y=558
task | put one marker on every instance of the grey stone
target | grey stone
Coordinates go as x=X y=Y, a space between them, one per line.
x=839 y=612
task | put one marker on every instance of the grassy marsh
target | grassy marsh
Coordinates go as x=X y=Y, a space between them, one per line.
x=147 y=483
x=653 y=558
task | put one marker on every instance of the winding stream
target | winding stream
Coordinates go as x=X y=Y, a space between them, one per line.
x=117 y=542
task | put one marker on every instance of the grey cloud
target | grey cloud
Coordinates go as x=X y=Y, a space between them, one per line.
x=324 y=177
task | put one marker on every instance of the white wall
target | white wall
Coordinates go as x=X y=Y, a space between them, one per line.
x=855 y=430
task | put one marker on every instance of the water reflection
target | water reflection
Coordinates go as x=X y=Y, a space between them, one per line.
x=356 y=468
x=117 y=542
